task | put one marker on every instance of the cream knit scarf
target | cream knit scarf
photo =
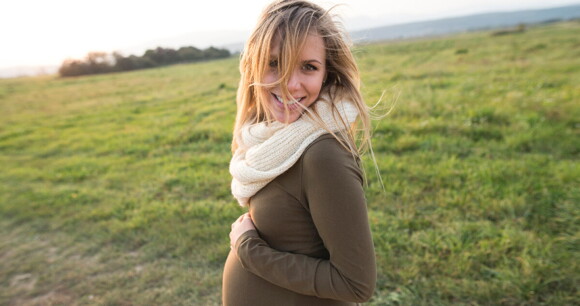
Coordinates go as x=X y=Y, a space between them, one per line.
x=266 y=151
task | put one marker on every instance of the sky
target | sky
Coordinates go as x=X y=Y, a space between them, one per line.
x=41 y=32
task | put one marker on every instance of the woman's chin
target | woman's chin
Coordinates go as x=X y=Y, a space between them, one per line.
x=279 y=113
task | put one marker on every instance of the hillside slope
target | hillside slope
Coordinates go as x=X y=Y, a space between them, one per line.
x=466 y=23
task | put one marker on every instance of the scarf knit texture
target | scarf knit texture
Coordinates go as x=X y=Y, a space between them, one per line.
x=268 y=150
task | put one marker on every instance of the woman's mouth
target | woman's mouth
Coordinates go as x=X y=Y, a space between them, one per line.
x=290 y=103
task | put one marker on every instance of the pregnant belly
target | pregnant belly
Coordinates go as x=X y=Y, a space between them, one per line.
x=241 y=287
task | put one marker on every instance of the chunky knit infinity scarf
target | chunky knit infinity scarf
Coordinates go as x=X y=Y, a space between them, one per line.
x=268 y=150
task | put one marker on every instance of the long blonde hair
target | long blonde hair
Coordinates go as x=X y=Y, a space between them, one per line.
x=293 y=21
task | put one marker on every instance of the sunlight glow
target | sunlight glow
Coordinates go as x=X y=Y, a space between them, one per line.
x=38 y=32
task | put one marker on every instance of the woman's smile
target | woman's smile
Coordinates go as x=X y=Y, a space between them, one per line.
x=292 y=104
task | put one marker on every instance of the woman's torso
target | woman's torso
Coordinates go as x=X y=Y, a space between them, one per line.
x=282 y=220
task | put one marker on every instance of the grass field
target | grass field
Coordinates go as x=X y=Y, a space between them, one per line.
x=114 y=189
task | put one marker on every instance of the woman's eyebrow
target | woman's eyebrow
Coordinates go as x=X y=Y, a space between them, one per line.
x=312 y=60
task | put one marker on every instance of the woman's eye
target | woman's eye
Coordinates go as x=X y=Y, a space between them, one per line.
x=310 y=67
x=273 y=63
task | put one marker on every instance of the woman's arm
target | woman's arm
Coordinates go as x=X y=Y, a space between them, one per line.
x=332 y=186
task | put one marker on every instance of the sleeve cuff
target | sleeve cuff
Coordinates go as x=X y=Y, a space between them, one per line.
x=245 y=236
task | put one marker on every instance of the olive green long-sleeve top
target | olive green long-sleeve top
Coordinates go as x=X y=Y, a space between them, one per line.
x=312 y=244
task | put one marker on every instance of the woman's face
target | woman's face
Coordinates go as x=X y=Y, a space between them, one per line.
x=305 y=81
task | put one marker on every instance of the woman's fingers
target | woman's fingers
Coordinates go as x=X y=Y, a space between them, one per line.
x=243 y=224
x=239 y=220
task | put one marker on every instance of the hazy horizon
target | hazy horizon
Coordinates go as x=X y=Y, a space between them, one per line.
x=64 y=31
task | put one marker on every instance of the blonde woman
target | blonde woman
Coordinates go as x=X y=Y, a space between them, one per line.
x=300 y=127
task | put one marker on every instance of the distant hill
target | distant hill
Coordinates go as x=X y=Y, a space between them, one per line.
x=466 y=23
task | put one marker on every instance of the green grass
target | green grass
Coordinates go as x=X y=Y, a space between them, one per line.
x=114 y=189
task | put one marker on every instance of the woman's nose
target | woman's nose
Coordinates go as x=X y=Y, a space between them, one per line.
x=294 y=82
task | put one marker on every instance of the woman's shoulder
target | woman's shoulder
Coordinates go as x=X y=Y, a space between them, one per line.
x=327 y=163
x=324 y=144
x=326 y=150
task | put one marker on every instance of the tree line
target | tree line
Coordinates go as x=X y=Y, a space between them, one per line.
x=101 y=62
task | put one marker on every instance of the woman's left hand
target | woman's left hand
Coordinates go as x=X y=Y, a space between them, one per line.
x=242 y=225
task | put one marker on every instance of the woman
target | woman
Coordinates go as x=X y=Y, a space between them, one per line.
x=306 y=239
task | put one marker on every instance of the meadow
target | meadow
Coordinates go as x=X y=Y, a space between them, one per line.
x=114 y=189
